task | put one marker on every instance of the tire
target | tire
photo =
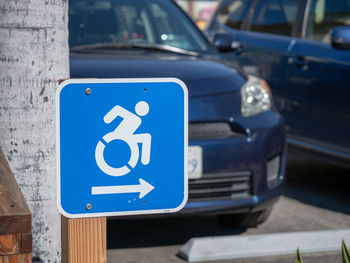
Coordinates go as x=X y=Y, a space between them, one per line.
x=252 y=219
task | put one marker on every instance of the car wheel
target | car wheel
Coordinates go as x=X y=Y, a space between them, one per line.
x=251 y=219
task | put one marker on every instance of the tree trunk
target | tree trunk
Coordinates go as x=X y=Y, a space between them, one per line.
x=33 y=57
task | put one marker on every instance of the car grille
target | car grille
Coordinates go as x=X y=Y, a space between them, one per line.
x=201 y=130
x=221 y=185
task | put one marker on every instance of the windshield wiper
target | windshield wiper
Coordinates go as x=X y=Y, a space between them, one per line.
x=136 y=45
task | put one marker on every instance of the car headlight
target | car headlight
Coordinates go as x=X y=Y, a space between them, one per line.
x=256 y=96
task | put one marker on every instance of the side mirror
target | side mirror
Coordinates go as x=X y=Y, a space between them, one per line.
x=225 y=43
x=340 y=37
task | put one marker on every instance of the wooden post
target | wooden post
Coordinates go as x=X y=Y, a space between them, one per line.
x=15 y=219
x=84 y=240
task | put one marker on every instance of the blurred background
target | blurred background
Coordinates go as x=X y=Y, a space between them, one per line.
x=199 y=10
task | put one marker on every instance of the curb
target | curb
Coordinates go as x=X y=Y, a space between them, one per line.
x=235 y=247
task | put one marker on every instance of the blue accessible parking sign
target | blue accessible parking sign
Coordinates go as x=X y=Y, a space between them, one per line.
x=121 y=146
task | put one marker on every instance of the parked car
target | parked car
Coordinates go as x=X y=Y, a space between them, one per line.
x=236 y=153
x=301 y=48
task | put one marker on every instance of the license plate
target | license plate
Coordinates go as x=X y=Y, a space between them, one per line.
x=195 y=162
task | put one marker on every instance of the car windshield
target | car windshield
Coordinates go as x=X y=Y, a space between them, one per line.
x=120 y=24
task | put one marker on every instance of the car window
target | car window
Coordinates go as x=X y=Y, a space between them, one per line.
x=275 y=16
x=132 y=21
x=171 y=31
x=233 y=12
x=324 y=15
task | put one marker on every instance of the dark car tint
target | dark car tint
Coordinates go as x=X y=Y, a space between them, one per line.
x=275 y=16
x=324 y=15
x=233 y=13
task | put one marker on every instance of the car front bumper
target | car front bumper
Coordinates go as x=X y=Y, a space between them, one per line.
x=235 y=168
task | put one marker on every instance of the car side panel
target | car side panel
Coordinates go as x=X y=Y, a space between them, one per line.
x=317 y=108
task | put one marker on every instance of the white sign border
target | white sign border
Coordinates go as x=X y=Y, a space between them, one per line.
x=58 y=159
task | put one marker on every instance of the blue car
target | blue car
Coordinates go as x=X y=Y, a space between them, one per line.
x=302 y=49
x=236 y=152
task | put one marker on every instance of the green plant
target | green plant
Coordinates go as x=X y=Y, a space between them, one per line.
x=345 y=254
x=298 y=258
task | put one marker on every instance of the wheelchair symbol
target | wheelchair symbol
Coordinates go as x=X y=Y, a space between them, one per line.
x=125 y=132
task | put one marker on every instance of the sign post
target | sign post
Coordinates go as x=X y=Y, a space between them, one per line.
x=84 y=240
x=122 y=148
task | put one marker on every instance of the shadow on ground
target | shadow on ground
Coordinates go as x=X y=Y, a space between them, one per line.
x=319 y=184
x=164 y=231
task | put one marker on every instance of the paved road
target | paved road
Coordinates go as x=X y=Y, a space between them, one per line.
x=317 y=197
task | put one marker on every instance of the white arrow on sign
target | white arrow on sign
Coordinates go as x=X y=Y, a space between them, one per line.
x=143 y=188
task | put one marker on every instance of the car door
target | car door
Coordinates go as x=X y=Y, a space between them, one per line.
x=317 y=109
x=263 y=31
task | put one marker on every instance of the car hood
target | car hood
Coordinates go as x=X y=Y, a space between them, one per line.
x=202 y=75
